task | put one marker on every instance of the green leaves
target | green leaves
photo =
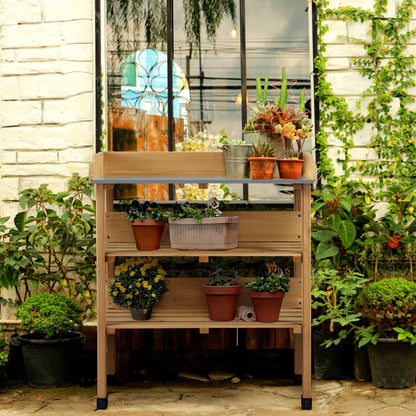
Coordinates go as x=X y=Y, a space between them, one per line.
x=388 y=101
x=51 y=245
x=325 y=250
x=347 y=233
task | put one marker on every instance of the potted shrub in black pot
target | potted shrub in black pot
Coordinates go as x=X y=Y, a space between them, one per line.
x=334 y=320
x=388 y=309
x=51 y=350
x=222 y=293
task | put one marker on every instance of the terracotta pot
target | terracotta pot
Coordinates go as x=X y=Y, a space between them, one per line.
x=222 y=301
x=267 y=305
x=290 y=168
x=140 y=314
x=148 y=234
x=395 y=243
x=262 y=167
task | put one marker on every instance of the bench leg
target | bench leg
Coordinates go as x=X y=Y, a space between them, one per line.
x=297 y=377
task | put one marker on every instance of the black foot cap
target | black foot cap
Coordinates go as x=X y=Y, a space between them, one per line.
x=306 y=404
x=102 y=403
x=297 y=379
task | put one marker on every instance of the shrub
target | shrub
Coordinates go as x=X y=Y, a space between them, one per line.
x=50 y=314
x=52 y=246
x=388 y=308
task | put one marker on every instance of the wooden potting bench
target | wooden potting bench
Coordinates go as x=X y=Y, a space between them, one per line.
x=262 y=234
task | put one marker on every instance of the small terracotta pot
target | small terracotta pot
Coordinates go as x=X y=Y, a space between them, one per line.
x=290 y=168
x=222 y=301
x=148 y=234
x=267 y=305
x=262 y=167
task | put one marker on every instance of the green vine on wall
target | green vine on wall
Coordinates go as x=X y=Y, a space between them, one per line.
x=390 y=110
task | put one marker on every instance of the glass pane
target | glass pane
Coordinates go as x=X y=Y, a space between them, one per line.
x=206 y=70
x=277 y=34
x=213 y=70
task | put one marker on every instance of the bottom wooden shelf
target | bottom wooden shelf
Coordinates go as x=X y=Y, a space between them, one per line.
x=179 y=318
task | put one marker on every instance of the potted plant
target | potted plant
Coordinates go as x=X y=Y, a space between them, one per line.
x=51 y=246
x=294 y=128
x=388 y=310
x=267 y=291
x=334 y=319
x=236 y=153
x=198 y=227
x=222 y=293
x=138 y=284
x=261 y=126
x=262 y=161
x=51 y=349
x=148 y=222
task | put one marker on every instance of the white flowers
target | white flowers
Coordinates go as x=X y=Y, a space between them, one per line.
x=201 y=142
x=191 y=192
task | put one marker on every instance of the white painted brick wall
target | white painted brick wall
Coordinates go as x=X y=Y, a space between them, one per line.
x=46 y=94
x=344 y=41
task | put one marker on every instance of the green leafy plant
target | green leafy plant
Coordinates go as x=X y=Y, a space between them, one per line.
x=50 y=314
x=196 y=211
x=138 y=283
x=388 y=309
x=225 y=141
x=52 y=244
x=136 y=210
x=222 y=276
x=333 y=297
x=387 y=104
x=270 y=279
x=341 y=217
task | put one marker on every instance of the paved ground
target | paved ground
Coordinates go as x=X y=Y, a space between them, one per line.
x=192 y=398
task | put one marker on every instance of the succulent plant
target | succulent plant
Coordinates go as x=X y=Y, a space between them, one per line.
x=262 y=150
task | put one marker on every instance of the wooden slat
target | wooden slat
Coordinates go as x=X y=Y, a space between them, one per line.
x=265 y=226
x=157 y=163
x=245 y=250
x=195 y=318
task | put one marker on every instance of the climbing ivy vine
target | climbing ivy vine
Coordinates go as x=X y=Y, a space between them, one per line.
x=389 y=106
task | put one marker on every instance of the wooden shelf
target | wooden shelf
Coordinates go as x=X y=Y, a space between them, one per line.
x=284 y=249
x=269 y=233
x=146 y=179
x=180 y=318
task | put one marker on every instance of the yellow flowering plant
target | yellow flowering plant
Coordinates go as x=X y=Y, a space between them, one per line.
x=138 y=283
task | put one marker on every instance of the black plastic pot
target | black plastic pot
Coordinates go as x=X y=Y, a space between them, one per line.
x=362 y=370
x=15 y=366
x=392 y=363
x=335 y=362
x=52 y=363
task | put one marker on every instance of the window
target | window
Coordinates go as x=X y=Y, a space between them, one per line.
x=214 y=55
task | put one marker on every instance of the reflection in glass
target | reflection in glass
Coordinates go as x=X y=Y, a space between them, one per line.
x=206 y=67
